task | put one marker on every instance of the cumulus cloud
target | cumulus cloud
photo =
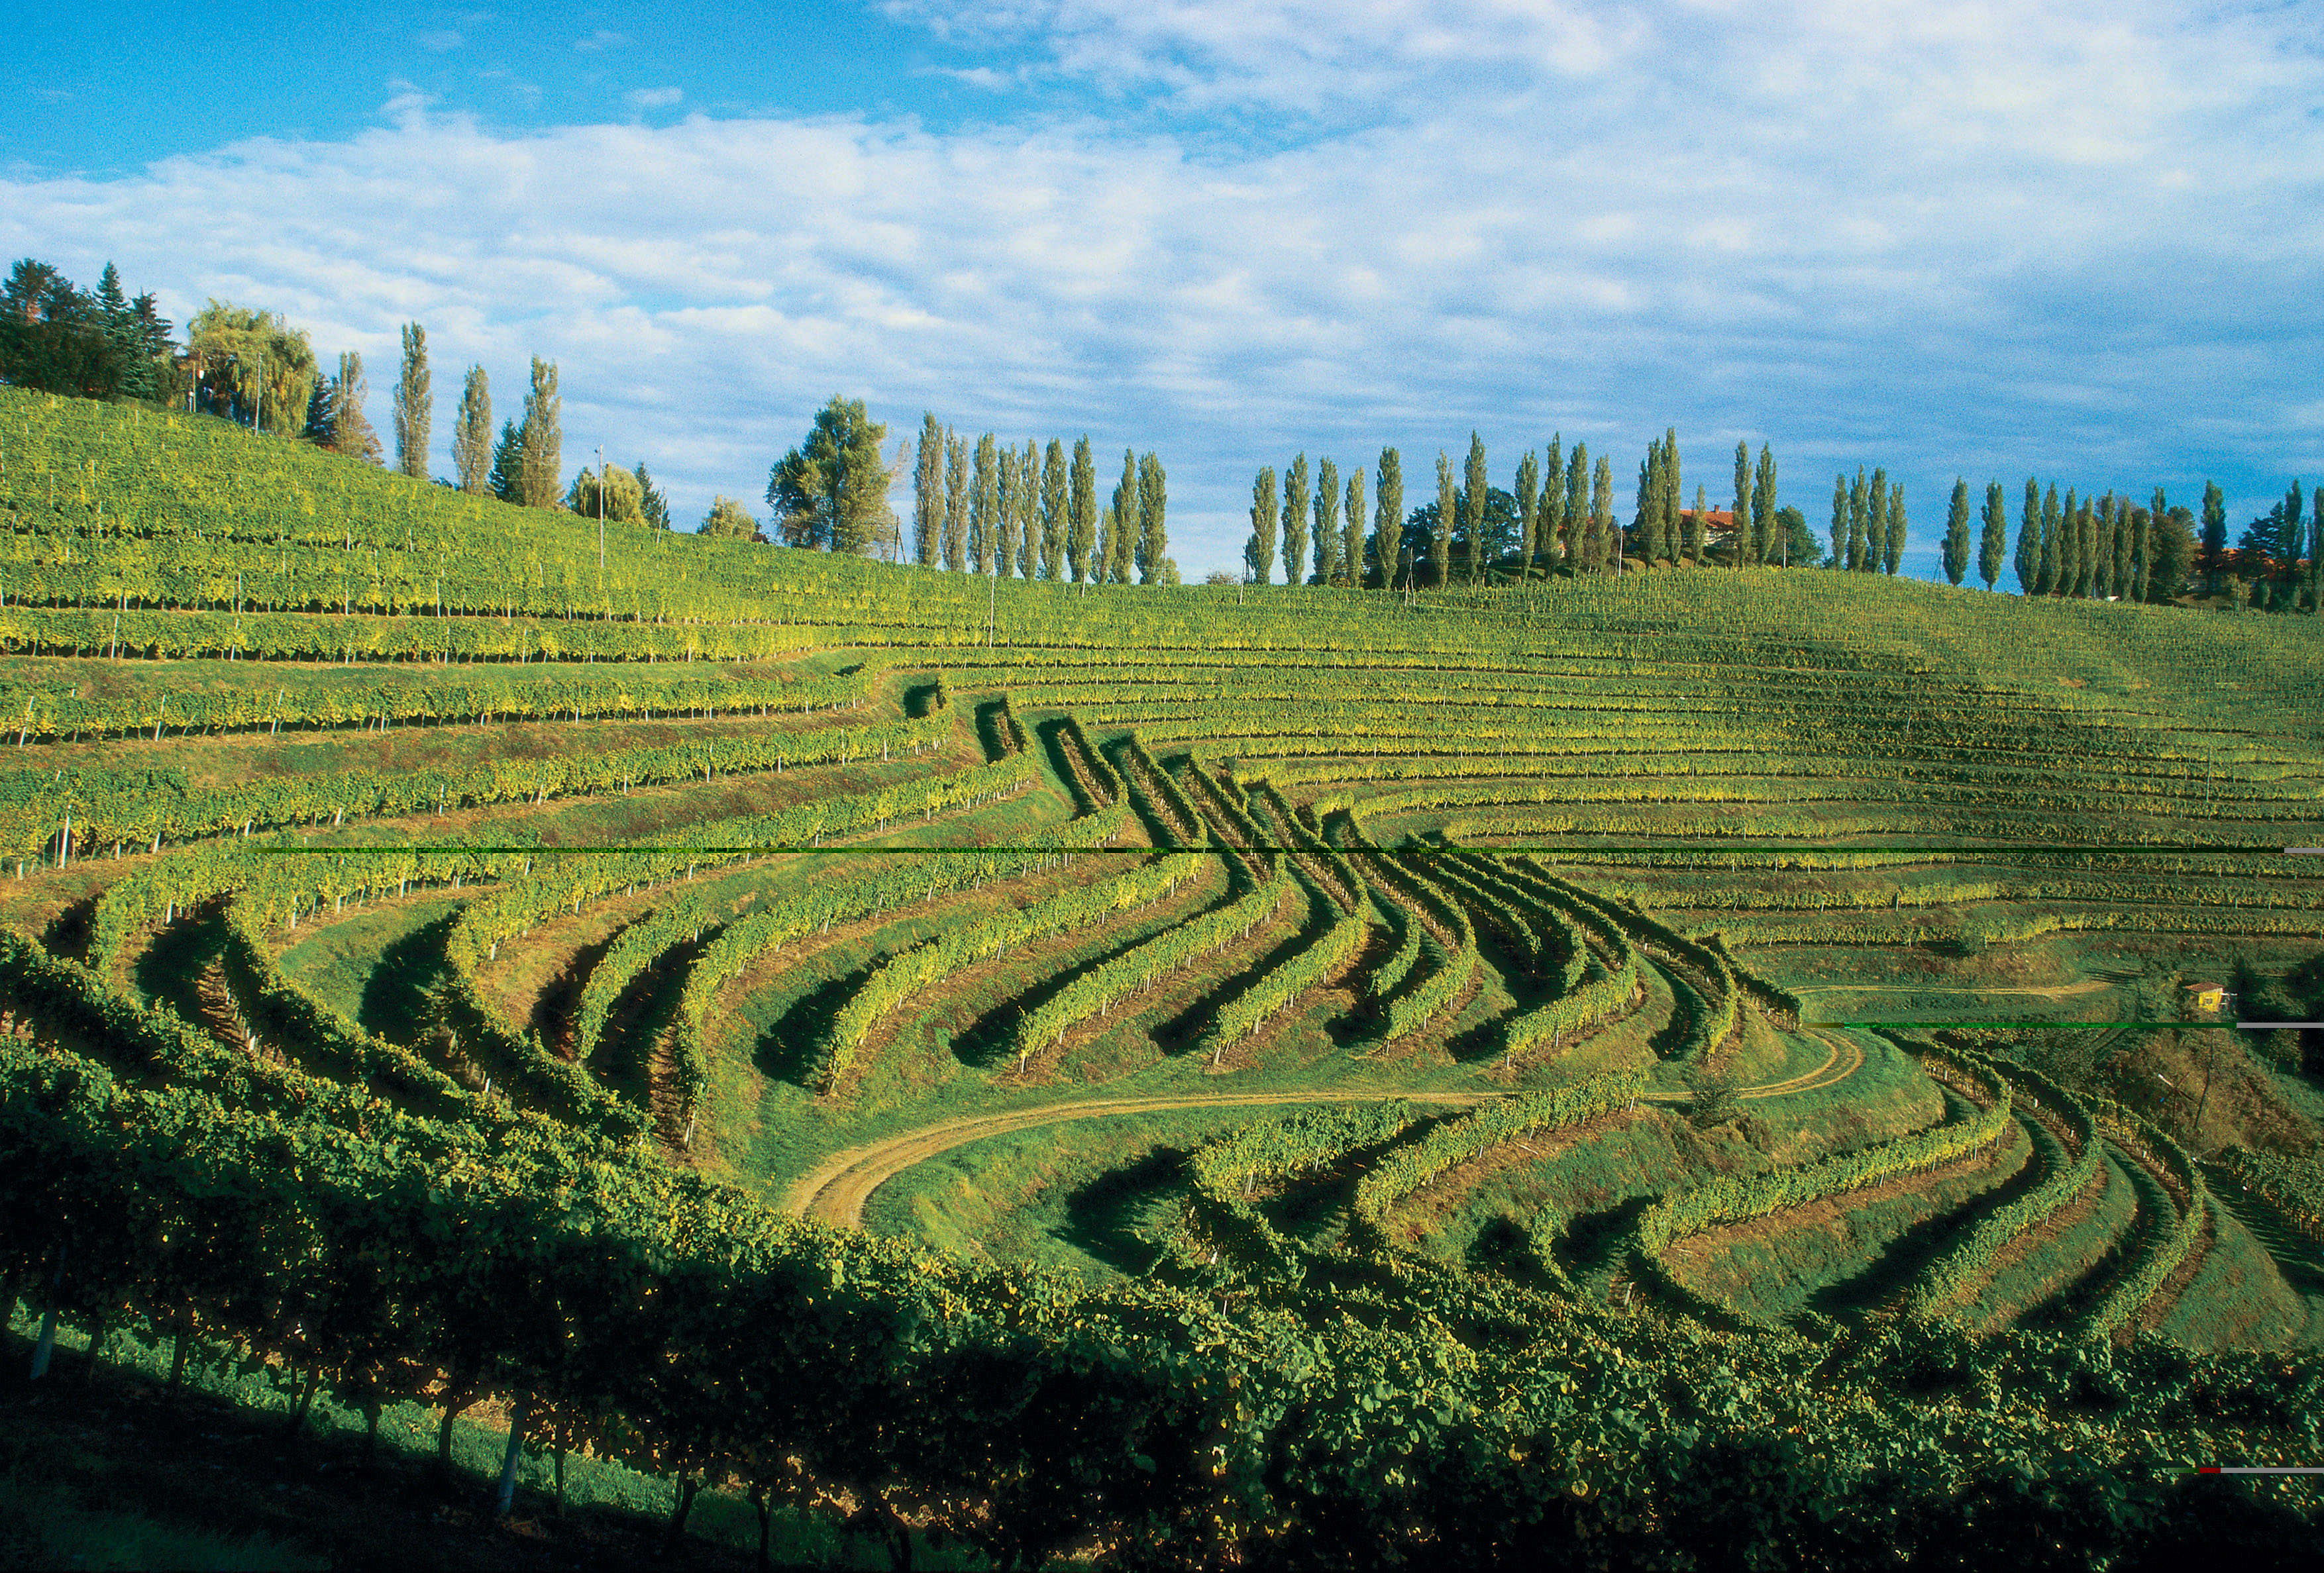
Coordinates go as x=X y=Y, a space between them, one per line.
x=655 y=97
x=1946 y=238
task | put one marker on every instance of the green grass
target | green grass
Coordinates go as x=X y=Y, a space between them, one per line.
x=2040 y=1281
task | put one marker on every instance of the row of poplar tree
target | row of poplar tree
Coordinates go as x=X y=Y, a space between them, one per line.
x=990 y=506
x=1559 y=516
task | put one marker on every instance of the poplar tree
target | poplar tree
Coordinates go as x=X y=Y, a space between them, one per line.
x=928 y=493
x=1440 y=544
x=1855 y=512
x=472 y=434
x=1153 y=534
x=1388 y=519
x=1602 y=524
x=2118 y=581
x=1081 y=517
x=1474 y=492
x=1259 y=552
x=2046 y=583
x=415 y=405
x=1352 y=529
x=1528 y=501
x=1029 y=525
x=1674 y=498
x=2029 y=541
x=1327 y=521
x=1955 y=548
x=1004 y=557
x=1994 y=541
x=1549 y=546
x=1054 y=512
x=2069 y=547
x=1892 y=550
x=1840 y=520
x=1577 y=508
x=955 y=524
x=2215 y=525
x=1295 y=520
x=1742 y=537
x=1763 y=507
x=2316 y=552
x=1644 y=520
x=2142 y=545
x=984 y=504
x=1126 y=525
x=2086 y=555
x=1697 y=524
x=1875 y=520
x=544 y=438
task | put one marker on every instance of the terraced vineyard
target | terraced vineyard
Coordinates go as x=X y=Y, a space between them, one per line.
x=1317 y=1071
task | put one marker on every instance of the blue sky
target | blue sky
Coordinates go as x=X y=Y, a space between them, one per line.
x=2077 y=240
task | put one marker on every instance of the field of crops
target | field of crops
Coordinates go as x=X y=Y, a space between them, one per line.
x=1267 y=1077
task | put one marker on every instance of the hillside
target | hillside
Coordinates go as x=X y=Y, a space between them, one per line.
x=1026 y=1069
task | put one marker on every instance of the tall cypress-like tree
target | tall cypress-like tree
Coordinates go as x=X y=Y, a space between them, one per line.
x=1352 y=529
x=1528 y=501
x=1259 y=552
x=956 y=496
x=1743 y=542
x=1153 y=524
x=1549 y=545
x=2142 y=545
x=1295 y=520
x=1763 y=507
x=2215 y=525
x=2070 y=534
x=1892 y=551
x=1127 y=525
x=1602 y=522
x=1080 y=519
x=1858 y=501
x=2046 y=583
x=1697 y=523
x=1956 y=546
x=544 y=438
x=2118 y=581
x=1004 y=557
x=1475 y=491
x=1440 y=544
x=1388 y=517
x=984 y=504
x=2316 y=552
x=1644 y=520
x=1840 y=520
x=1577 y=509
x=1028 y=511
x=1875 y=520
x=472 y=434
x=1674 y=498
x=415 y=405
x=1056 y=513
x=1994 y=541
x=2029 y=541
x=928 y=493
x=1327 y=520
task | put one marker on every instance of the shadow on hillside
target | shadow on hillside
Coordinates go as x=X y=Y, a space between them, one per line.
x=395 y=1004
x=68 y=934
x=1592 y=1244
x=169 y=971
x=623 y=1060
x=1102 y=1218
x=785 y=1051
x=987 y=1043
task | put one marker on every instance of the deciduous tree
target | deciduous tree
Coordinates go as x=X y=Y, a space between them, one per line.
x=1528 y=500
x=1603 y=523
x=1081 y=517
x=1892 y=551
x=1388 y=519
x=928 y=493
x=1763 y=508
x=472 y=434
x=2028 y=564
x=1153 y=516
x=1956 y=546
x=984 y=504
x=1475 y=486
x=351 y=432
x=1994 y=541
x=831 y=492
x=1295 y=519
x=1259 y=552
x=415 y=405
x=1352 y=538
x=1327 y=521
x=544 y=438
x=1056 y=512
x=1745 y=545
x=956 y=495
x=1440 y=539
x=1548 y=547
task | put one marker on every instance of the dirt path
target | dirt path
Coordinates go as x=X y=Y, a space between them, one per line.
x=2045 y=991
x=835 y=1191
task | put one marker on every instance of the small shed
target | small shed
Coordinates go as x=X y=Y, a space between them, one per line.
x=2207 y=995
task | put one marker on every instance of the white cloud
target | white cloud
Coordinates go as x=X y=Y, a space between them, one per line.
x=654 y=97
x=605 y=38
x=1945 y=238
x=440 y=40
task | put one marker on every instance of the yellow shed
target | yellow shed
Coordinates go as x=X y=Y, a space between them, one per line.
x=2207 y=995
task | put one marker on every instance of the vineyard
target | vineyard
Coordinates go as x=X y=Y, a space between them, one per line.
x=1688 y=1067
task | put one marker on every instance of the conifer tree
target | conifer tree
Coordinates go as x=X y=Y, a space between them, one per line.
x=1029 y=512
x=1893 y=549
x=1475 y=492
x=506 y=479
x=1840 y=520
x=1388 y=519
x=1259 y=552
x=2046 y=583
x=1528 y=501
x=928 y=493
x=1081 y=519
x=544 y=438
x=1857 y=510
x=2029 y=541
x=984 y=504
x=653 y=506
x=1742 y=537
x=1956 y=546
x=1153 y=531
x=1295 y=520
x=1351 y=529
x=1004 y=558
x=415 y=406
x=1327 y=521
x=1440 y=544
x=1763 y=507
x=1054 y=512
x=1577 y=508
x=472 y=435
x=1994 y=541
x=956 y=495
x=1602 y=522
x=351 y=433
x=1549 y=545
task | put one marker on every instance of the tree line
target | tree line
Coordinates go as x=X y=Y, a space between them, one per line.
x=990 y=506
